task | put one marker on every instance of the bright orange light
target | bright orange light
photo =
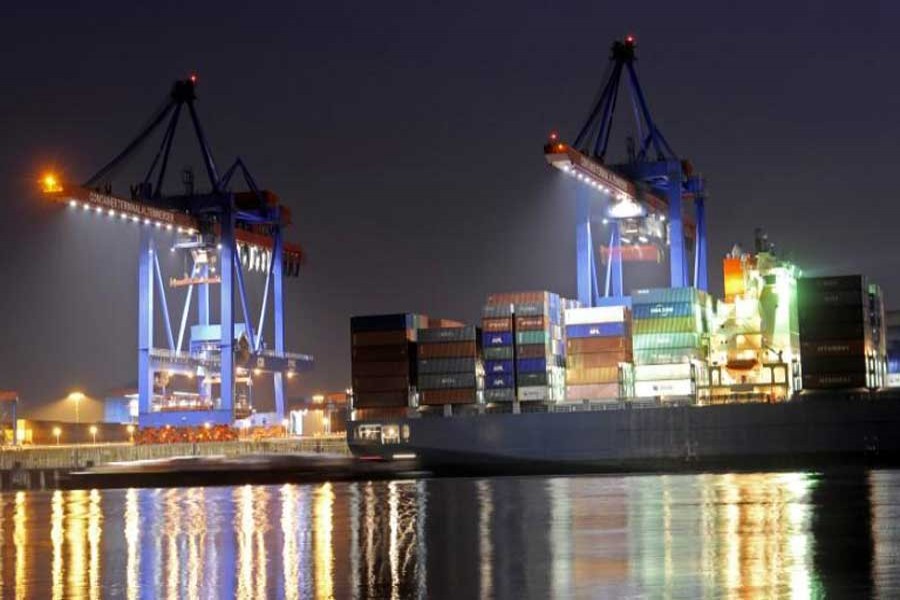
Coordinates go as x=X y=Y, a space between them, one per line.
x=50 y=184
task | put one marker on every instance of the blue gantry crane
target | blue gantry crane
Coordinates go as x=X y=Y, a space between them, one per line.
x=222 y=233
x=648 y=194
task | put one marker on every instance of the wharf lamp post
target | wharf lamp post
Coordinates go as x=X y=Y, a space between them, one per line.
x=76 y=397
x=130 y=430
x=57 y=432
x=93 y=431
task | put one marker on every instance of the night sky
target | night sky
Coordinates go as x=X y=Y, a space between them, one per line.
x=407 y=138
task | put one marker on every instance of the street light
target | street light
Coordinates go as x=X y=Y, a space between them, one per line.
x=57 y=432
x=93 y=431
x=130 y=430
x=76 y=397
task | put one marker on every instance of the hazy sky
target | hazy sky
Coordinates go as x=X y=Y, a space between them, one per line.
x=407 y=139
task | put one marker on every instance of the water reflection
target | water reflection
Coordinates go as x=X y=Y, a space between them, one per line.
x=740 y=535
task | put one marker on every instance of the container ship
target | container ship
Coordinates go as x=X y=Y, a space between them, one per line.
x=784 y=371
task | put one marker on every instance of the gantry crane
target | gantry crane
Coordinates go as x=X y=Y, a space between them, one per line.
x=222 y=232
x=647 y=194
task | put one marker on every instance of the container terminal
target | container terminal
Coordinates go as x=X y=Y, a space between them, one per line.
x=782 y=367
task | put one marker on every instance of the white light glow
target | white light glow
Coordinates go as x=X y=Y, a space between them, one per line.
x=625 y=209
x=72 y=203
x=112 y=213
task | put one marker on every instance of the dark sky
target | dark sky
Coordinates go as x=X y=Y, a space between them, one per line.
x=407 y=139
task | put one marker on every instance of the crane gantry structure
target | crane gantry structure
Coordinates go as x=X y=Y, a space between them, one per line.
x=223 y=233
x=647 y=194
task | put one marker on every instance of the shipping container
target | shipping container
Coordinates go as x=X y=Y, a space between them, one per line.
x=447 y=350
x=380 y=384
x=440 y=397
x=659 y=341
x=597 y=359
x=382 y=338
x=540 y=393
x=837 y=283
x=821 y=299
x=451 y=334
x=493 y=325
x=494 y=367
x=495 y=381
x=832 y=348
x=590 y=345
x=496 y=311
x=666 y=295
x=531 y=379
x=532 y=323
x=532 y=365
x=492 y=340
x=392 y=322
x=669 y=387
x=500 y=395
x=499 y=353
x=592 y=375
x=539 y=296
x=827 y=381
x=431 y=366
x=534 y=351
x=596 y=391
x=836 y=364
x=811 y=331
x=380 y=399
x=533 y=337
x=664 y=372
x=447 y=381
x=666 y=310
x=394 y=353
x=692 y=324
x=596 y=330
x=599 y=314
x=379 y=369
x=668 y=355
x=371 y=414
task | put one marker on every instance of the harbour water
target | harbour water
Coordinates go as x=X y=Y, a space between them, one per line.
x=644 y=536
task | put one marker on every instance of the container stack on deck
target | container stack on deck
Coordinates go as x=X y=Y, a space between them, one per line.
x=842 y=333
x=892 y=346
x=450 y=366
x=598 y=353
x=670 y=356
x=383 y=362
x=530 y=365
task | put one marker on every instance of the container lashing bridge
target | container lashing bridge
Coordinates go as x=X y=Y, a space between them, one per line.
x=647 y=195
x=222 y=233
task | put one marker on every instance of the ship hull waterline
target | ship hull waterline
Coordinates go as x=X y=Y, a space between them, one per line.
x=800 y=434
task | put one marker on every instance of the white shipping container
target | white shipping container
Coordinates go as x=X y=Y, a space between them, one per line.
x=893 y=380
x=534 y=393
x=596 y=314
x=662 y=372
x=671 y=387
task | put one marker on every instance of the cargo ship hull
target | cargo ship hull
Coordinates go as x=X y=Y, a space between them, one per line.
x=805 y=433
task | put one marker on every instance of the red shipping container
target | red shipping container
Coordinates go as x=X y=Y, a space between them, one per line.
x=380 y=399
x=495 y=325
x=438 y=397
x=448 y=350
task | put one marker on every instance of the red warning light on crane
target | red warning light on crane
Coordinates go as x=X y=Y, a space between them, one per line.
x=193 y=78
x=629 y=39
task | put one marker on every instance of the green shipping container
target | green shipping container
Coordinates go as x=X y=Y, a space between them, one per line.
x=692 y=324
x=658 y=341
x=664 y=356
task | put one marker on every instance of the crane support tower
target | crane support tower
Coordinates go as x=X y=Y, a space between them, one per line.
x=647 y=195
x=224 y=235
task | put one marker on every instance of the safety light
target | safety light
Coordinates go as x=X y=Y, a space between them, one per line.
x=625 y=209
x=50 y=184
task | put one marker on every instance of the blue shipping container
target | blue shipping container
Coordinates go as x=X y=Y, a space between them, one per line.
x=597 y=330
x=532 y=365
x=493 y=367
x=493 y=382
x=497 y=339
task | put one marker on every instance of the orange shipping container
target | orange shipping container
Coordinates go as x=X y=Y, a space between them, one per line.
x=370 y=414
x=593 y=375
x=493 y=325
x=600 y=344
x=598 y=359
x=438 y=397
x=530 y=323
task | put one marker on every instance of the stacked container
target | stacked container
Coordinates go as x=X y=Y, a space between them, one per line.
x=842 y=333
x=523 y=347
x=383 y=360
x=670 y=327
x=450 y=367
x=892 y=345
x=598 y=353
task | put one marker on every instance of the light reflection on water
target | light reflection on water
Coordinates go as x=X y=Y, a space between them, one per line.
x=661 y=536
